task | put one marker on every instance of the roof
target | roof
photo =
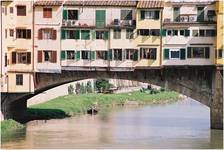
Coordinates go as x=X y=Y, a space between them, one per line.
x=118 y=3
x=150 y=4
x=48 y=2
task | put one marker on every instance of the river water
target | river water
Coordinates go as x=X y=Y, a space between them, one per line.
x=183 y=124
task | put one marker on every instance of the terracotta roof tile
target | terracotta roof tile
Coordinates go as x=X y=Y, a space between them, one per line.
x=150 y=4
x=48 y=2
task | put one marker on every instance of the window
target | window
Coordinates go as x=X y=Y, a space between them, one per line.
x=85 y=54
x=23 y=33
x=155 y=32
x=174 y=54
x=195 y=33
x=73 y=14
x=201 y=32
x=47 y=12
x=11 y=10
x=3 y=10
x=182 y=32
x=185 y=32
x=169 y=32
x=19 y=79
x=200 y=14
x=210 y=33
x=11 y=32
x=126 y=14
x=148 y=53
x=176 y=14
x=21 y=57
x=102 y=35
x=85 y=34
x=131 y=54
x=175 y=32
x=118 y=54
x=49 y=56
x=70 y=54
x=211 y=14
x=47 y=33
x=101 y=55
x=143 y=32
x=5 y=33
x=129 y=33
x=5 y=59
x=198 y=52
x=70 y=34
x=21 y=10
x=117 y=33
x=221 y=53
x=150 y=14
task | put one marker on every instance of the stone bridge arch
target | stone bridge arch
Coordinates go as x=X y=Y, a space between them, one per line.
x=204 y=84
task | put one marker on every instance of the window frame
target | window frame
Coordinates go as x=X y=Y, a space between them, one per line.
x=47 y=12
x=21 y=12
x=19 y=79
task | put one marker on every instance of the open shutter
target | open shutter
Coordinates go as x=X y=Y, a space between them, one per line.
x=182 y=53
x=77 y=34
x=13 y=57
x=106 y=35
x=28 y=32
x=78 y=55
x=189 y=52
x=136 y=55
x=62 y=55
x=186 y=32
x=142 y=14
x=39 y=56
x=65 y=14
x=63 y=34
x=163 y=32
x=207 y=52
x=106 y=55
x=157 y=14
x=154 y=51
x=28 y=57
x=92 y=55
x=110 y=54
x=123 y=53
x=54 y=56
x=93 y=34
x=54 y=36
x=166 y=53
x=140 y=53
x=40 y=37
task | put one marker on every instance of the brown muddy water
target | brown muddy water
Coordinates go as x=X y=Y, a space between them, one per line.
x=183 y=124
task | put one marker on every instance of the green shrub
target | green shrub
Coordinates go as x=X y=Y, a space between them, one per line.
x=70 y=89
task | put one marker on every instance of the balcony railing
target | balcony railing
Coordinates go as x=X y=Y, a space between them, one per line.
x=122 y=23
x=79 y=23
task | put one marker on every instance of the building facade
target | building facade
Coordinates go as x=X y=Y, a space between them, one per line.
x=50 y=36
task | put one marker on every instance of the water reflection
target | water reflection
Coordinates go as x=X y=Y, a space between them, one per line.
x=184 y=124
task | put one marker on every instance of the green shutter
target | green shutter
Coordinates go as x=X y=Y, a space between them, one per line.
x=163 y=32
x=106 y=55
x=93 y=34
x=85 y=35
x=189 y=52
x=157 y=14
x=142 y=14
x=110 y=54
x=176 y=14
x=78 y=55
x=106 y=35
x=200 y=14
x=92 y=55
x=63 y=34
x=182 y=53
x=77 y=34
x=100 y=18
x=186 y=32
x=207 y=52
x=65 y=14
x=140 y=53
x=136 y=55
x=166 y=53
x=62 y=55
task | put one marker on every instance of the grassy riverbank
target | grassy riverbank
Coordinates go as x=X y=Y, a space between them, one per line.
x=8 y=126
x=69 y=105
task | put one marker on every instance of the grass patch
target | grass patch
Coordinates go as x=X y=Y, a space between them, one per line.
x=8 y=126
x=69 y=105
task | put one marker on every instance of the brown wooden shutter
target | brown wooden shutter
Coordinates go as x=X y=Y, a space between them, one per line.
x=54 y=36
x=54 y=56
x=39 y=56
x=40 y=34
x=13 y=57
x=28 y=57
x=28 y=34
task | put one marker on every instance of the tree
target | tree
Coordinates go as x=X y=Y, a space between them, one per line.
x=89 y=87
x=103 y=85
x=70 y=89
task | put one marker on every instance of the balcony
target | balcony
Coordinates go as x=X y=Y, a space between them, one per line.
x=81 y=23
x=122 y=23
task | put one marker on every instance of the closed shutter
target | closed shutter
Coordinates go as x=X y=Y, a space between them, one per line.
x=40 y=34
x=207 y=52
x=106 y=35
x=142 y=14
x=110 y=54
x=62 y=55
x=77 y=34
x=28 y=32
x=136 y=55
x=78 y=55
x=154 y=53
x=39 y=56
x=182 y=53
x=13 y=57
x=63 y=34
x=157 y=14
x=54 y=36
x=85 y=35
x=93 y=34
x=100 y=18
x=163 y=32
x=123 y=53
x=54 y=56
x=106 y=55
x=140 y=53
x=28 y=57
x=186 y=32
x=189 y=52
x=166 y=53
x=65 y=14
x=92 y=55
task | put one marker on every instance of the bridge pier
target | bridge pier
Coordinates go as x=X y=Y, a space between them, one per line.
x=216 y=106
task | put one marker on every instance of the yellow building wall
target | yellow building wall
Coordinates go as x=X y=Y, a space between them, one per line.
x=220 y=30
